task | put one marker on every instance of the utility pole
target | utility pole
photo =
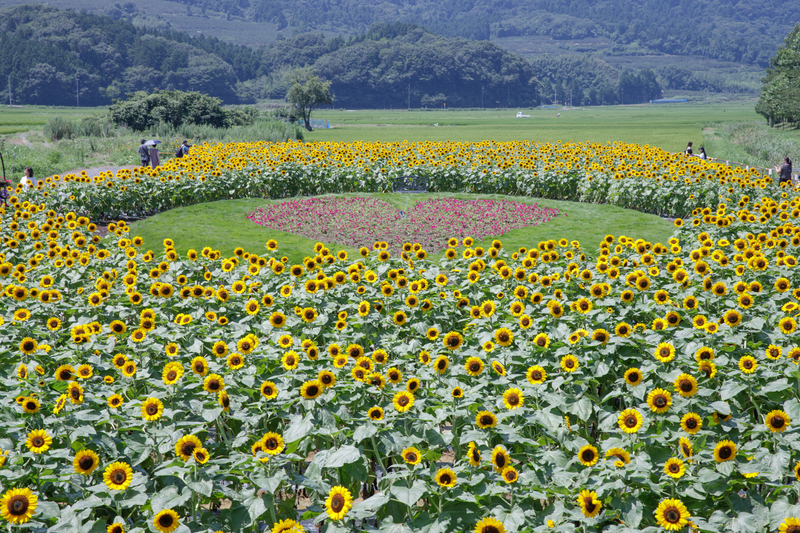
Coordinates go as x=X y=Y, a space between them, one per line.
x=10 y=101
x=409 y=96
x=481 y=96
x=77 y=90
x=570 y=97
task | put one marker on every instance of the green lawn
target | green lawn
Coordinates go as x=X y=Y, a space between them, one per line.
x=222 y=225
x=668 y=126
x=27 y=118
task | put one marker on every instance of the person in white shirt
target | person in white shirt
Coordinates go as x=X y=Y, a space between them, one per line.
x=27 y=179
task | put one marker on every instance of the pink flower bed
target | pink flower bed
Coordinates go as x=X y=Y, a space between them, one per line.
x=357 y=221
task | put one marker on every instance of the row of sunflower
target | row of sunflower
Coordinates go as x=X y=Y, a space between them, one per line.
x=652 y=386
x=630 y=176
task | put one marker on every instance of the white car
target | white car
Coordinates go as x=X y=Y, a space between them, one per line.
x=520 y=115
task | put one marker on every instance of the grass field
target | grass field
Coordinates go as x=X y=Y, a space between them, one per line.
x=33 y=118
x=222 y=225
x=668 y=126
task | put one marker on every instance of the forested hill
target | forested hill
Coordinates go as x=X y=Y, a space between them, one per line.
x=743 y=31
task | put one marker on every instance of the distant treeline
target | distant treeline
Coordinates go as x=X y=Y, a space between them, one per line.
x=780 y=98
x=745 y=31
x=54 y=57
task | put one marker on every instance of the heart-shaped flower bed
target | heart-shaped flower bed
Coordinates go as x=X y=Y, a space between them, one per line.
x=359 y=221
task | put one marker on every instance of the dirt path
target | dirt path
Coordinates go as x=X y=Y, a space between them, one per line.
x=93 y=172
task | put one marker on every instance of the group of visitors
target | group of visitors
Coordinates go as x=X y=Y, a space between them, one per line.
x=149 y=156
x=784 y=169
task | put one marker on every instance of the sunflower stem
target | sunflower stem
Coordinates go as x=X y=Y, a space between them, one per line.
x=377 y=455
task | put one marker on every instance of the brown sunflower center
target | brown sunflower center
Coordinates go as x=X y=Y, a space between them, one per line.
x=313 y=390
x=188 y=448
x=18 y=505
x=152 y=409
x=486 y=420
x=489 y=529
x=587 y=455
x=452 y=341
x=65 y=375
x=213 y=384
x=271 y=443
x=327 y=379
x=445 y=479
x=589 y=504
x=777 y=421
x=686 y=385
x=171 y=375
x=633 y=377
x=674 y=468
x=672 y=515
x=630 y=421
x=513 y=399
x=402 y=401
x=118 y=477
x=536 y=375
x=37 y=441
x=500 y=460
x=166 y=520
x=86 y=462
x=337 y=503
x=747 y=364
x=691 y=423
x=569 y=363
x=725 y=452
x=660 y=401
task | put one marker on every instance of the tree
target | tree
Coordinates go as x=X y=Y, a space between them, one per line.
x=307 y=92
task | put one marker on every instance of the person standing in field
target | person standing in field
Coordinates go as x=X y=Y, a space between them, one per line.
x=155 y=160
x=702 y=153
x=27 y=178
x=785 y=171
x=144 y=154
x=688 y=150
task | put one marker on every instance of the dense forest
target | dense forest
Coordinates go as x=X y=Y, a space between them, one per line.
x=54 y=57
x=743 y=31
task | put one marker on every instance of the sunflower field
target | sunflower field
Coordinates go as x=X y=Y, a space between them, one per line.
x=630 y=176
x=642 y=387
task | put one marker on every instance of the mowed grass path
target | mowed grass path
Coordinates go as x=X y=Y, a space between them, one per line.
x=667 y=126
x=222 y=225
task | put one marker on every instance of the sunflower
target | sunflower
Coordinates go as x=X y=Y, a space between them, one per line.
x=28 y=346
x=513 y=398
x=200 y=455
x=326 y=378
x=117 y=476
x=412 y=385
x=403 y=401
x=633 y=376
x=38 y=441
x=338 y=503
x=172 y=373
x=541 y=340
x=185 y=446
x=685 y=385
x=152 y=409
x=474 y=455
x=446 y=478
x=724 y=451
x=128 y=369
x=671 y=514
x=630 y=421
x=489 y=525
x=691 y=423
x=685 y=446
x=674 y=468
x=453 y=340
x=588 y=455
x=590 y=505
x=659 y=400
x=665 y=352
x=269 y=390
x=30 y=405
x=536 y=375
x=166 y=521
x=503 y=337
x=114 y=401
x=273 y=443
x=66 y=373
x=375 y=413
x=17 y=506
x=115 y=528
x=290 y=360
x=790 y=525
x=213 y=383
x=777 y=421
x=411 y=455
x=485 y=419
x=311 y=389
x=498 y=367
x=569 y=363
x=500 y=458
x=748 y=364
x=85 y=462
x=621 y=457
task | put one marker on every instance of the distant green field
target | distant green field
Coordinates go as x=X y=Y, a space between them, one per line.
x=668 y=126
x=27 y=118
